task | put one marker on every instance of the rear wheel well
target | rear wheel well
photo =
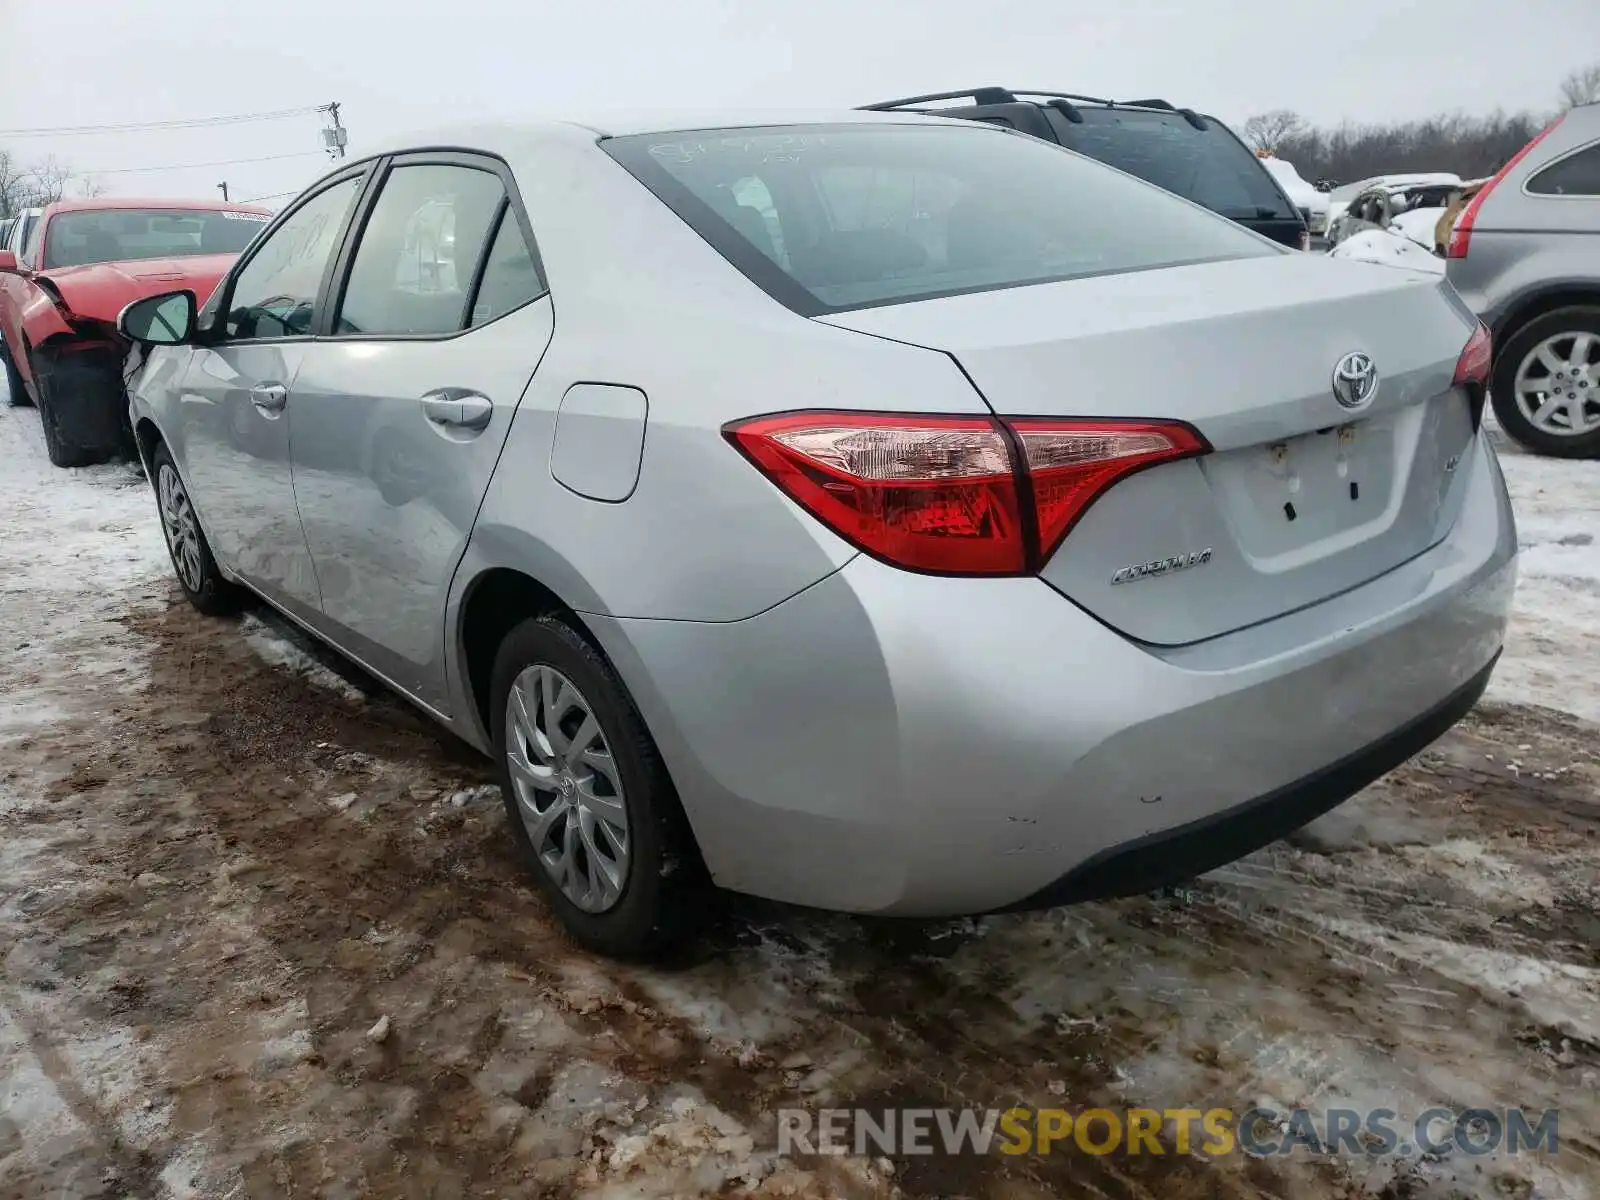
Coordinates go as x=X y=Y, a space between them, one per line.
x=499 y=601
x=1535 y=307
x=496 y=603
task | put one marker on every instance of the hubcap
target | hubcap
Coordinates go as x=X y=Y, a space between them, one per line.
x=1558 y=385
x=178 y=523
x=569 y=793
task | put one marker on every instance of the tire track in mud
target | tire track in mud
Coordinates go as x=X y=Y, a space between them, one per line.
x=319 y=883
x=305 y=870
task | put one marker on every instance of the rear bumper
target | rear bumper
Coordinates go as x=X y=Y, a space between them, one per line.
x=893 y=743
x=1172 y=855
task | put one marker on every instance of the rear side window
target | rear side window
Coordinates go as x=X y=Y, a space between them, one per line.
x=1209 y=166
x=828 y=218
x=510 y=276
x=1575 y=175
x=413 y=268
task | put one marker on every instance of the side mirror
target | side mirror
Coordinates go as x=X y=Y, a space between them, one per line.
x=164 y=320
x=8 y=263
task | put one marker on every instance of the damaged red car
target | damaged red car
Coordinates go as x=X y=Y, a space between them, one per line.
x=83 y=262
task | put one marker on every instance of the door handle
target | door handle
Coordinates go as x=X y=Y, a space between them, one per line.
x=269 y=397
x=456 y=408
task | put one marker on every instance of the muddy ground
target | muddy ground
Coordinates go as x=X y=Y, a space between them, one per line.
x=264 y=934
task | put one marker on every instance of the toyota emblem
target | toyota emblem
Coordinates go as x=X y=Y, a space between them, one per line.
x=1355 y=380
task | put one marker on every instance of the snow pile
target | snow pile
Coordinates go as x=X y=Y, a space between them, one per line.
x=1388 y=249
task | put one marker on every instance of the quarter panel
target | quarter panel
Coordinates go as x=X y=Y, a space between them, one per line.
x=897 y=743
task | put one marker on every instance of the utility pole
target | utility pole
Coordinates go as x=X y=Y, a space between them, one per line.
x=334 y=139
x=223 y=186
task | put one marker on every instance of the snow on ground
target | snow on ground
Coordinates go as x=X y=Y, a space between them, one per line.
x=263 y=933
x=1555 y=636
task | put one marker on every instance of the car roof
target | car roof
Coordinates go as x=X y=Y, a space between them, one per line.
x=118 y=203
x=489 y=135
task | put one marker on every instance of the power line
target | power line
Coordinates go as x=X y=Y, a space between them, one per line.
x=225 y=162
x=271 y=196
x=186 y=123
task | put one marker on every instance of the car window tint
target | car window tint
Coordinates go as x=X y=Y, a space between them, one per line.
x=510 y=277
x=882 y=214
x=414 y=264
x=1576 y=175
x=275 y=294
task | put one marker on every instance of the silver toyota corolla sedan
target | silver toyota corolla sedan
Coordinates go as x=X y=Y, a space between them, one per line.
x=875 y=512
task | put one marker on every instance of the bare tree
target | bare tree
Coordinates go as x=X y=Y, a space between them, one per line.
x=1581 y=87
x=90 y=187
x=29 y=185
x=1265 y=131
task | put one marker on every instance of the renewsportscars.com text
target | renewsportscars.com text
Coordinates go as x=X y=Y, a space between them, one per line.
x=1213 y=1132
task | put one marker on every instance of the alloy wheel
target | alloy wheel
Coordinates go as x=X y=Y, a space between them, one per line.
x=178 y=523
x=1557 y=385
x=568 y=789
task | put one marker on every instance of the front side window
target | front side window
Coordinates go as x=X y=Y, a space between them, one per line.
x=413 y=268
x=1575 y=175
x=99 y=235
x=32 y=232
x=275 y=293
x=885 y=214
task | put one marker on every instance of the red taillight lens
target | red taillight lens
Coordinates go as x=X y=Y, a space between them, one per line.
x=1461 y=234
x=944 y=494
x=1070 y=463
x=1473 y=365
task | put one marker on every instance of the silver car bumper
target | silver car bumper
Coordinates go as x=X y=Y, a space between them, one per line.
x=893 y=743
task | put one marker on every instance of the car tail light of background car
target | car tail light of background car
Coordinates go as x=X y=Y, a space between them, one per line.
x=1461 y=234
x=954 y=495
x=1473 y=365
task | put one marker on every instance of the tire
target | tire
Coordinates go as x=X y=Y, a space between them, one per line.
x=1519 y=350
x=16 y=390
x=191 y=556
x=58 y=442
x=545 y=656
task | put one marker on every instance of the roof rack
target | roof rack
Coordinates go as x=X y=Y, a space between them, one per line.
x=983 y=95
x=1188 y=114
x=1065 y=102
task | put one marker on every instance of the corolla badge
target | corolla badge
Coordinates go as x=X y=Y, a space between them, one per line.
x=1355 y=380
x=1162 y=566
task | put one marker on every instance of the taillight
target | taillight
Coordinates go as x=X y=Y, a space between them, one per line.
x=1461 y=233
x=1305 y=239
x=948 y=495
x=1473 y=365
x=1071 y=463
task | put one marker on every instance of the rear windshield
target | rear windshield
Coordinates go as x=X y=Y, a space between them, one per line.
x=75 y=239
x=1209 y=166
x=828 y=218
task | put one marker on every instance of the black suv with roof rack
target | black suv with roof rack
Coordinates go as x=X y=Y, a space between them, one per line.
x=1186 y=152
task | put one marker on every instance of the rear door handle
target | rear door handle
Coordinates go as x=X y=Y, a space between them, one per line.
x=269 y=397
x=457 y=408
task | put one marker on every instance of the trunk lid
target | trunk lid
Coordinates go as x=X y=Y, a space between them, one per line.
x=1301 y=498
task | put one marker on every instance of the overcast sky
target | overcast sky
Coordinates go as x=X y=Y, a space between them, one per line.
x=401 y=64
